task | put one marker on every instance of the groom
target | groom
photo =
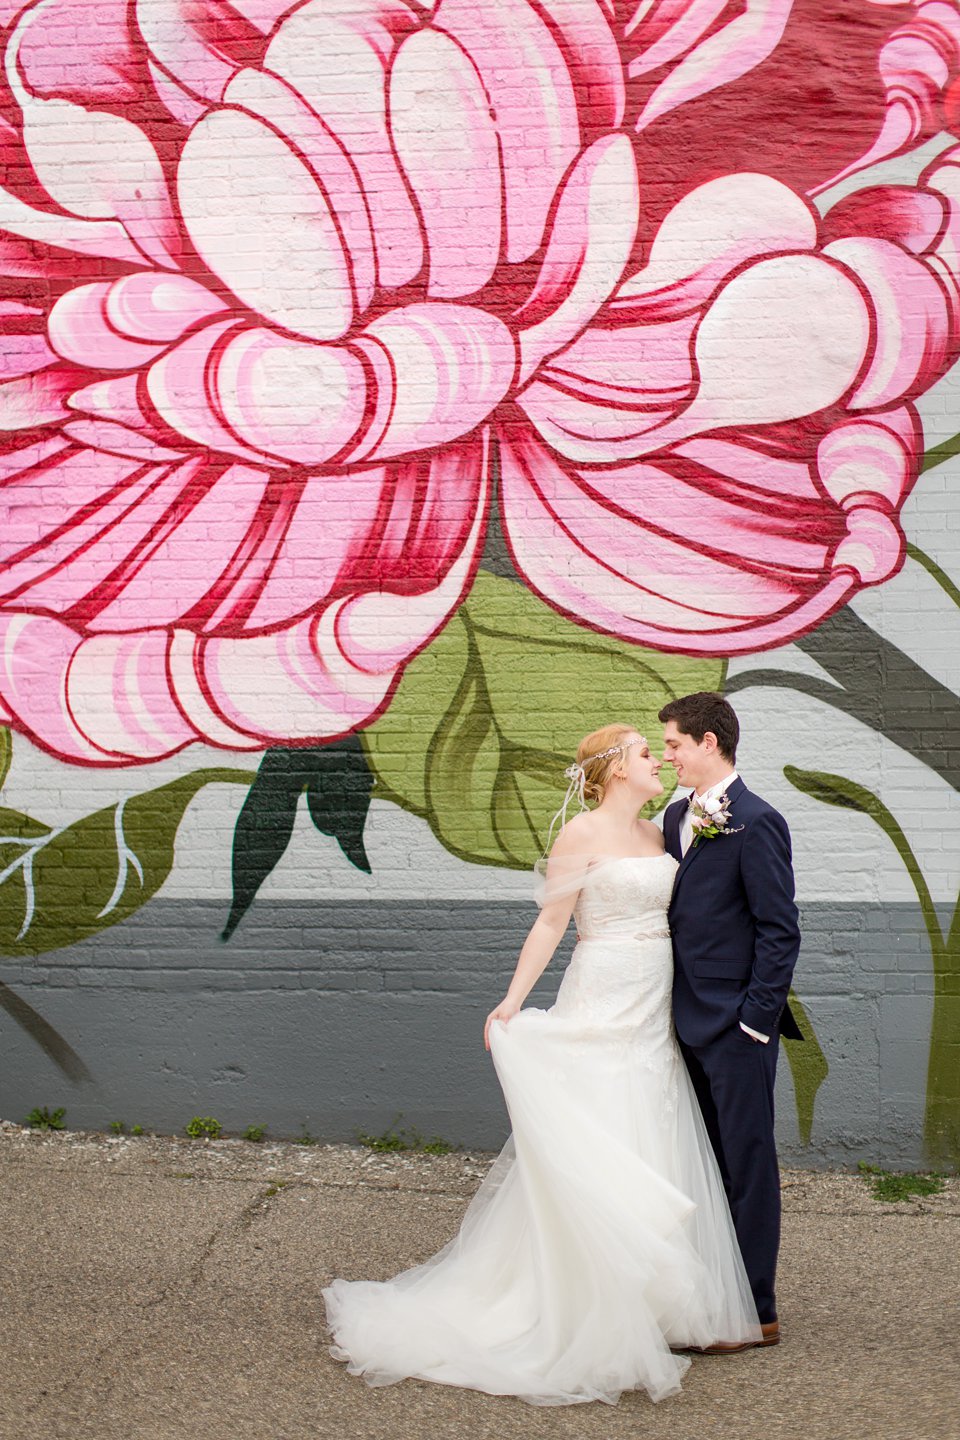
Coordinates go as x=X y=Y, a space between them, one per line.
x=735 y=943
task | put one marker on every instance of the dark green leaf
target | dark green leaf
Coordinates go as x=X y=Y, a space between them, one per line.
x=264 y=825
x=338 y=797
x=338 y=782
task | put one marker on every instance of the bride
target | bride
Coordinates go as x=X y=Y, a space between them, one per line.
x=600 y=1242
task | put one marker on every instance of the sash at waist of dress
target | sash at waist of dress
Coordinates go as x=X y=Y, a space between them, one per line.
x=608 y=937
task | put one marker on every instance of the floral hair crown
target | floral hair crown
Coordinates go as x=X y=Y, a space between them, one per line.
x=576 y=774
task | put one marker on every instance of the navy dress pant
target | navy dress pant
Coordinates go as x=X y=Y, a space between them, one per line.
x=733 y=1077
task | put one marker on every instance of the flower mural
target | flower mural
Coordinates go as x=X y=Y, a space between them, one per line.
x=288 y=287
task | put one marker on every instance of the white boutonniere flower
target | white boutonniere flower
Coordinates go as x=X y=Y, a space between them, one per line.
x=711 y=817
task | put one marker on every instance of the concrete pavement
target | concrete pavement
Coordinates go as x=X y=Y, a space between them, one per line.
x=157 y=1288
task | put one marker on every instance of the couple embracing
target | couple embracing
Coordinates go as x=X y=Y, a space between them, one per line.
x=633 y=1215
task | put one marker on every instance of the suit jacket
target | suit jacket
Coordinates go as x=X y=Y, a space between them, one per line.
x=734 y=923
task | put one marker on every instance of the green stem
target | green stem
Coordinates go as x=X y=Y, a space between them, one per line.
x=934 y=570
x=941 y=1132
x=945 y=451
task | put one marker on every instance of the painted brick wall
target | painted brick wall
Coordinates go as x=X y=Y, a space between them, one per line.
x=390 y=395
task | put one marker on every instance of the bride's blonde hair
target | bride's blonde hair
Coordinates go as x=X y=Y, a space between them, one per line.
x=600 y=755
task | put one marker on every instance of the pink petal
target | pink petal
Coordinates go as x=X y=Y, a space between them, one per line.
x=191 y=544
x=79 y=331
x=94 y=185
x=24 y=354
x=47 y=52
x=65 y=232
x=628 y=362
x=709 y=233
x=451 y=365
x=36 y=652
x=256 y=374
x=273 y=208
x=335 y=53
x=583 y=562
x=725 y=55
x=870 y=458
x=118 y=695
x=325 y=545
x=191 y=40
x=523 y=72
x=447 y=144
x=113 y=439
x=911 y=346
x=178 y=384
x=590 y=243
x=77 y=568
x=591 y=54
x=117 y=399
x=873 y=548
x=380 y=631
x=687 y=502
x=784 y=338
x=754 y=470
x=916 y=64
x=56 y=504
x=36 y=399
x=158 y=306
x=292 y=684
x=594 y=430
x=180 y=103
x=943 y=178
x=284 y=110
x=189 y=688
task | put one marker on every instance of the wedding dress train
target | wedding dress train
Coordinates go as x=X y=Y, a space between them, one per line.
x=601 y=1237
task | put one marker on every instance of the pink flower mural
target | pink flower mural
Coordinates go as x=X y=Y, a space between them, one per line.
x=287 y=288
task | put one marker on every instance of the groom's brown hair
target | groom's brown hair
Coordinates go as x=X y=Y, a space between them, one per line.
x=707 y=710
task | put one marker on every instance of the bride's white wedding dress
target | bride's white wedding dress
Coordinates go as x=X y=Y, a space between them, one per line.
x=601 y=1237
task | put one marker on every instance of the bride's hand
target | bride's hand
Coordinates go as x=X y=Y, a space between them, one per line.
x=505 y=1011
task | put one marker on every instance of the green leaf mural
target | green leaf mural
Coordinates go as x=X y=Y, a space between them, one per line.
x=60 y=885
x=337 y=781
x=942 y=1121
x=808 y=1068
x=485 y=720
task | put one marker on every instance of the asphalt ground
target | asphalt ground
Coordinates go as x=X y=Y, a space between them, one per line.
x=154 y=1288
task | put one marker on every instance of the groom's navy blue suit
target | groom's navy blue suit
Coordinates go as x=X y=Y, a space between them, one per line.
x=735 y=943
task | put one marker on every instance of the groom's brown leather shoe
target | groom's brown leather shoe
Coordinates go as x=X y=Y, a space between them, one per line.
x=769 y=1335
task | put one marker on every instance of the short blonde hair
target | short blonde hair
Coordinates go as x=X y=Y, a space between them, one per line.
x=598 y=767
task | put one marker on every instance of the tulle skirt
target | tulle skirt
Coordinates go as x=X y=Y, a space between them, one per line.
x=600 y=1238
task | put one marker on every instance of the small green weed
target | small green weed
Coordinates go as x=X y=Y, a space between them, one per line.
x=276 y=1187
x=136 y=1129
x=43 y=1119
x=306 y=1139
x=395 y=1139
x=891 y=1187
x=117 y=1127
x=182 y=1174
x=255 y=1133
x=202 y=1125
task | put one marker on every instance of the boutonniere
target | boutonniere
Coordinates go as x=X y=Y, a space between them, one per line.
x=710 y=817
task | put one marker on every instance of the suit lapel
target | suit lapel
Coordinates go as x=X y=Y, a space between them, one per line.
x=734 y=792
x=671 y=826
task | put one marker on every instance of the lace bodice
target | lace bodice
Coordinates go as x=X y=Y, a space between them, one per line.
x=626 y=898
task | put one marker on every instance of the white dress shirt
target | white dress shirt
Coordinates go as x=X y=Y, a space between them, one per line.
x=686 y=839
